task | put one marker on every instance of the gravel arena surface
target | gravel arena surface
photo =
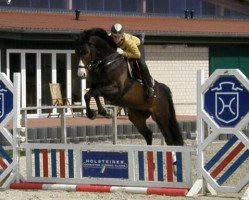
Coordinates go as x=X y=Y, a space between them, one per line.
x=8 y=194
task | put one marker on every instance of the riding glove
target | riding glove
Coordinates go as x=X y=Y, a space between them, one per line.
x=120 y=51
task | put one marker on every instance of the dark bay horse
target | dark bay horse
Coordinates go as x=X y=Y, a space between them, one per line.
x=107 y=73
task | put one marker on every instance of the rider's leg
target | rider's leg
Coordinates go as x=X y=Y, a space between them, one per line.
x=148 y=80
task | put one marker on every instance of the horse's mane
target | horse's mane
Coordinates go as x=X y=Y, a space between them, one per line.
x=103 y=48
x=100 y=39
x=99 y=32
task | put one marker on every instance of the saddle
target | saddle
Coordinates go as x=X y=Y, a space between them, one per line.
x=134 y=70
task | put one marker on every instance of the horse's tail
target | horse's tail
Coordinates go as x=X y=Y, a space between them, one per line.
x=173 y=124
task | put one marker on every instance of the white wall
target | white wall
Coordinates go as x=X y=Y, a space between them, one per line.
x=176 y=66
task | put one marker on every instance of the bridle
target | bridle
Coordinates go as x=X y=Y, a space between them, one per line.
x=80 y=53
x=96 y=63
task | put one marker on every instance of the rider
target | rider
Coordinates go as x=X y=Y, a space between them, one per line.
x=129 y=46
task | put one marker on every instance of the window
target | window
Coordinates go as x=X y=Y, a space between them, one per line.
x=129 y=6
x=40 y=4
x=80 y=5
x=59 y=4
x=31 y=80
x=76 y=81
x=15 y=64
x=21 y=3
x=226 y=12
x=61 y=69
x=157 y=6
x=208 y=9
x=194 y=5
x=112 y=5
x=149 y=6
x=96 y=5
x=46 y=78
x=177 y=7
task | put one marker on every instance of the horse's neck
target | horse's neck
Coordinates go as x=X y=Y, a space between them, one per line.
x=106 y=50
x=110 y=56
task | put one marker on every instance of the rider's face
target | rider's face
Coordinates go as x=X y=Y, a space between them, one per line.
x=116 y=38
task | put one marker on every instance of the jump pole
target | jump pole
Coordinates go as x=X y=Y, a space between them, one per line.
x=101 y=188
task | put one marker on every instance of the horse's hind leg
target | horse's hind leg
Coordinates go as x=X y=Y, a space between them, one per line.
x=169 y=128
x=166 y=119
x=162 y=122
x=138 y=118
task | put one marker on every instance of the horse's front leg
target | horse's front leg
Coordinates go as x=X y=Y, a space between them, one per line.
x=89 y=112
x=101 y=109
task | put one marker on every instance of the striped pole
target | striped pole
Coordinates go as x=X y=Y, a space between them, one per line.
x=100 y=188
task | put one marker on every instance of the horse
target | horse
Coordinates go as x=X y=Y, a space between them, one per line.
x=108 y=76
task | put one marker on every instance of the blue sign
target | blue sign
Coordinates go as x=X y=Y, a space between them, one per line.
x=6 y=101
x=227 y=101
x=102 y=164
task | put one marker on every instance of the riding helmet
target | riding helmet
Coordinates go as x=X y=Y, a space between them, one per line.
x=117 y=29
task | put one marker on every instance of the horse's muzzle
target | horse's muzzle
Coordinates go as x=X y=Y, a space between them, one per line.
x=81 y=72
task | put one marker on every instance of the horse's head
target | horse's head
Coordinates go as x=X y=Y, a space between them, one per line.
x=91 y=46
x=83 y=52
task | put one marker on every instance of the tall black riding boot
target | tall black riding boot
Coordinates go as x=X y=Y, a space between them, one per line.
x=149 y=82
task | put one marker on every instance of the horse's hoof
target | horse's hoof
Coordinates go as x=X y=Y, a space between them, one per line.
x=91 y=115
x=103 y=112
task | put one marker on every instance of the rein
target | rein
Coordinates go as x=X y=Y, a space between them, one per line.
x=97 y=64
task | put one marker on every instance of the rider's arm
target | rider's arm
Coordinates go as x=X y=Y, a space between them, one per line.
x=130 y=47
